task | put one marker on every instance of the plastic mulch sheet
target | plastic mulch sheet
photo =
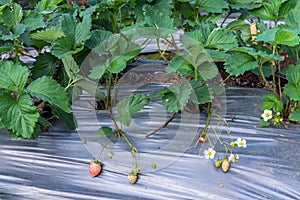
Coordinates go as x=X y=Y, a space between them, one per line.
x=55 y=165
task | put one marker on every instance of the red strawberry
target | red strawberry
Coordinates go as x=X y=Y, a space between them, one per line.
x=132 y=178
x=95 y=168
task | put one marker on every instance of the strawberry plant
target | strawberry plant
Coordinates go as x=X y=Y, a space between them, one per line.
x=19 y=115
x=265 y=50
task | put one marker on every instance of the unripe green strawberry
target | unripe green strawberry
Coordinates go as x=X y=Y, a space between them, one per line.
x=218 y=163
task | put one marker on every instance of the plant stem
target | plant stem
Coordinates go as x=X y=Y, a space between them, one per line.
x=162 y=126
x=160 y=52
x=203 y=132
x=106 y=144
x=225 y=18
x=265 y=80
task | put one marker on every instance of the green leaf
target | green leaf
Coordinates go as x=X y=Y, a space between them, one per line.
x=269 y=10
x=46 y=6
x=47 y=34
x=49 y=90
x=154 y=18
x=207 y=70
x=292 y=88
x=200 y=92
x=98 y=71
x=65 y=117
x=164 y=7
x=19 y=115
x=44 y=65
x=62 y=47
x=287 y=7
x=12 y=15
x=68 y=25
x=295 y=116
x=215 y=6
x=82 y=30
x=130 y=105
x=177 y=97
x=245 y=4
x=221 y=39
x=293 y=19
x=287 y=37
x=104 y=131
x=198 y=36
x=91 y=87
x=238 y=63
x=97 y=36
x=279 y=36
x=33 y=21
x=117 y=65
x=13 y=76
x=176 y=63
x=263 y=123
x=70 y=67
x=271 y=101
x=14 y=33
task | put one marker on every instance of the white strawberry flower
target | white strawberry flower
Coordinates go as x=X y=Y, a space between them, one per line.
x=267 y=115
x=209 y=153
x=241 y=142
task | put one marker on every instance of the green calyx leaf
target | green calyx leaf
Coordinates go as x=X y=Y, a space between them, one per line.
x=130 y=105
x=19 y=115
x=271 y=101
x=13 y=76
x=177 y=97
x=292 y=88
x=49 y=90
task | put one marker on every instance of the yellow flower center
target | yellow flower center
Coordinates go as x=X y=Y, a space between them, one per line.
x=241 y=143
x=268 y=115
x=209 y=153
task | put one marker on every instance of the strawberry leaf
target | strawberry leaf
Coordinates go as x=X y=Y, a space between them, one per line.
x=295 y=116
x=12 y=15
x=104 y=131
x=279 y=36
x=19 y=115
x=70 y=67
x=177 y=97
x=97 y=36
x=13 y=76
x=271 y=101
x=238 y=63
x=200 y=92
x=130 y=105
x=49 y=90
x=47 y=34
x=221 y=39
x=292 y=88
x=44 y=65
